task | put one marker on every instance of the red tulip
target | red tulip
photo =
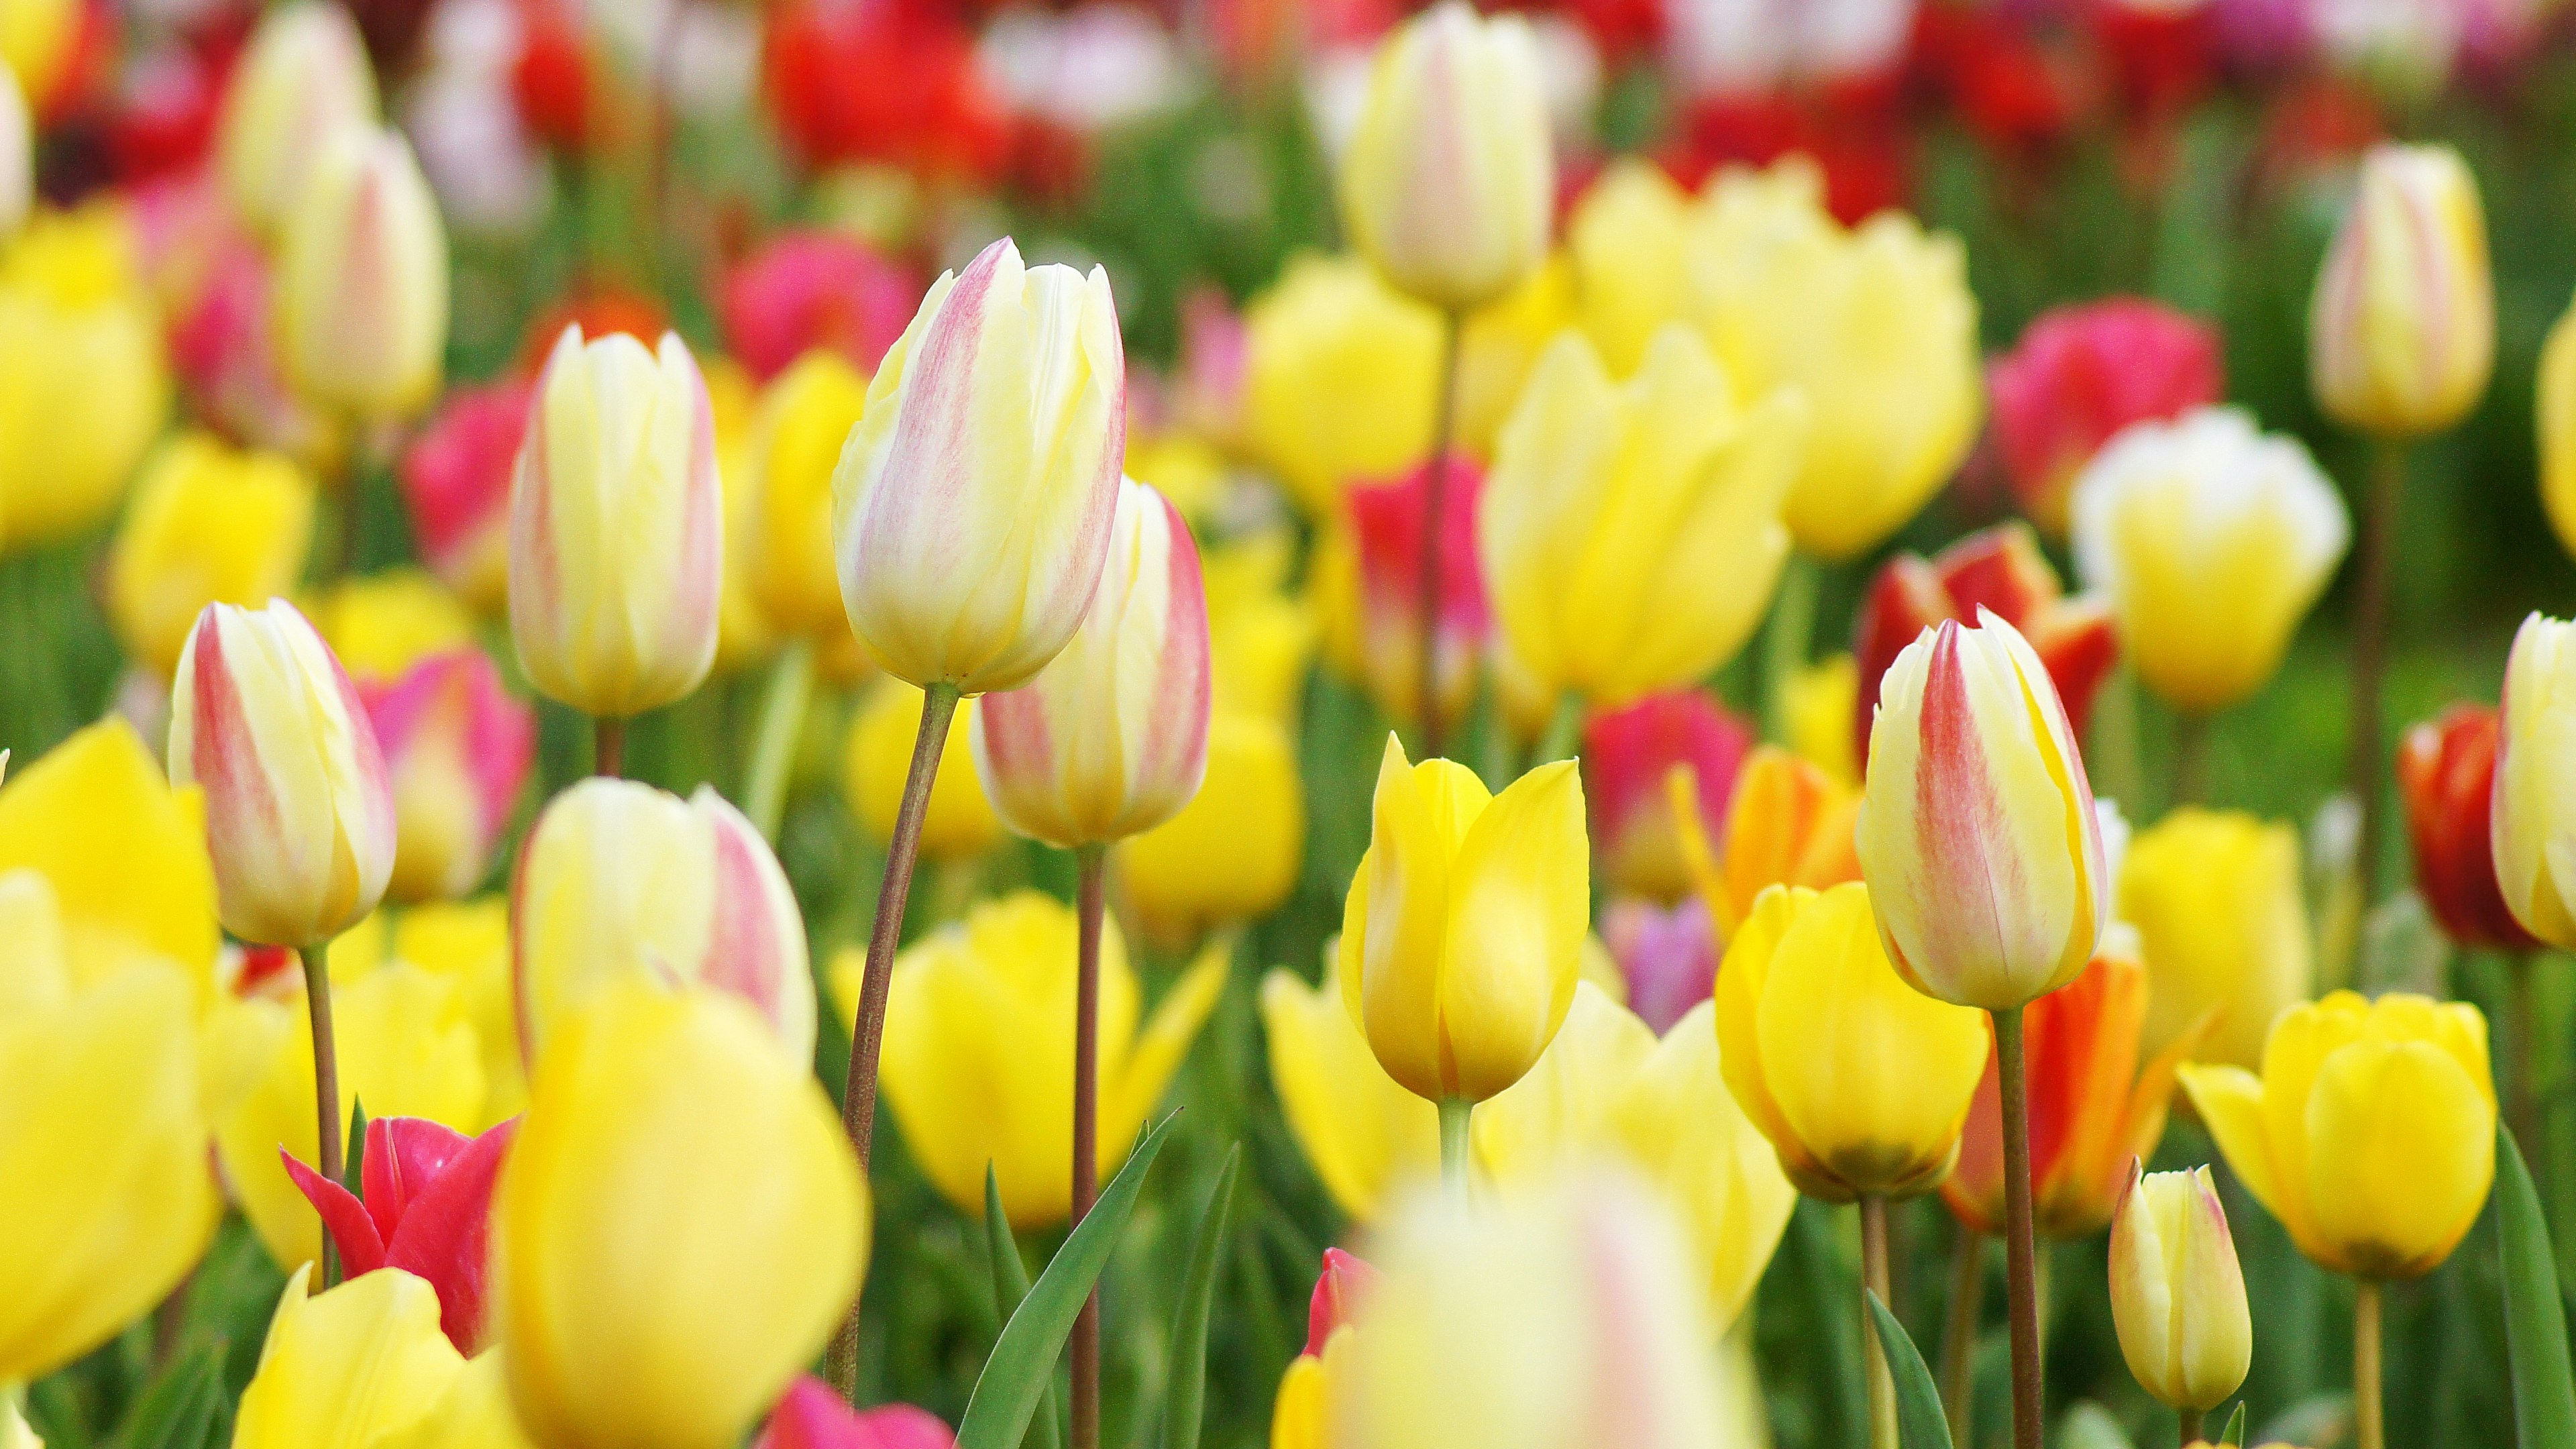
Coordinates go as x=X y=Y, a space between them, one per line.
x=456 y=483
x=1384 y=643
x=2078 y=376
x=458 y=746
x=1346 y=1279
x=2446 y=770
x=925 y=108
x=1627 y=753
x=812 y=1416
x=809 y=289
x=426 y=1211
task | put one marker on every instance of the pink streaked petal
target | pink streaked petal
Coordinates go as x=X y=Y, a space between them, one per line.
x=404 y=1154
x=445 y=1234
x=757 y=935
x=919 y=500
x=242 y=808
x=812 y=1416
x=1956 y=812
x=1175 y=746
x=361 y=1250
x=1339 y=1289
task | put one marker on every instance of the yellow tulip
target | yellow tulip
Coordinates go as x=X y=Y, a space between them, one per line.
x=207 y=522
x=1462 y=936
x=380 y=625
x=878 y=754
x=1448 y=183
x=2370 y=1133
x=302 y=78
x=978 y=1064
x=2212 y=541
x=805 y=415
x=2535 y=781
x=38 y=40
x=1631 y=535
x=474 y=1413
x=1233 y=853
x=1183 y=467
x=1340 y=378
x=467 y=942
x=1821 y=702
x=84 y=385
x=2177 y=1294
x=1364 y=1135
x=680 y=1226
x=1861 y=1083
x=745 y=634
x=1308 y=1406
x=1629 y=238
x=1498 y=346
x=359 y=1367
x=2215 y=895
x=2401 y=330
x=1261 y=638
x=1874 y=325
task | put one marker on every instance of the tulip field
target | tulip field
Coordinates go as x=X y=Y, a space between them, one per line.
x=1337 y=724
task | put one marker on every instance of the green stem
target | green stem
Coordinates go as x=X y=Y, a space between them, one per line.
x=1455 y=1117
x=2191 y=758
x=782 y=724
x=2192 y=1428
x=2369 y=1429
x=1873 y=1274
x=1564 y=737
x=326 y=1084
x=607 y=746
x=1786 y=639
x=1435 y=491
x=1959 y=1331
x=1091 y=866
x=2020 y=1255
x=2376 y=561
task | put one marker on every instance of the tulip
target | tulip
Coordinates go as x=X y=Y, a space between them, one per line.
x=2554 y=414
x=362 y=1366
x=1261 y=635
x=2079 y=376
x=84 y=383
x=2211 y=541
x=362 y=279
x=1449 y=179
x=2534 y=804
x=206 y=524
x=2446 y=769
x=1875 y=326
x=1629 y=239
x=302 y=80
x=616 y=527
x=804 y=416
x=225 y=350
x=979 y=1063
x=467 y=942
x=299 y=811
x=1309 y=1406
x=959 y=821
x=2000 y=569
x=622 y=882
x=458 y=749
x=475 y=1411
x=1630 y=534
x=2401 y=330
x=679 y=1226
x=1819 y=705
x=1341 y=381
x=1628 y=754
x=2177 y=1294
x=967 y=552
x=455 y=480
x=2370 y=1133
x=17 y=157
x=812 y=1416
x=1111 y=737
x=426 y=1210
x=1233 y=853
x=1977 y=832
x=1666 y=957
x=808 y=291
x=382 y=625
x=1370 y=580
x=1364 y=1136
x=2215 y=896
x=1789 y=823
x=40 y=40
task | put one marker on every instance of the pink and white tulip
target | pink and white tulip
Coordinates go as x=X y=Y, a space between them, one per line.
x=458 y=748
x=362 y=280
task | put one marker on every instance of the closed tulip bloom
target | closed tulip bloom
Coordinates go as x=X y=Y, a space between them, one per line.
x=1860 y=1082
x=1977 y=831
x=2554 y=414
x=618 y=881
x=2079 y=376
x=1449 y=179
x=617 y=527
x=973 y=502
x=680 y=1225
x=1821 y=703
x=1365 y=1137
x=299 y=809
x=84 y=379
x=2177 y=1294
x=303 y=79
x=2212 y=541
x=1341 y=377
x=1875 y=326
x=805 y=415
x=207 y=523
x=960 y=821
x=2216 y=897
x=2535 y=781
x=1628 y=756
x=2401 y=331
x=1110 y=738
x=2446 y=770
x=814 y=1416
x=804 y=291
x=455 y=480
x=1369 y=582
x=2370 y=1133
x=1630 y=535
x=362 y=1366
x=362 y=279
x=475 y=1411
x=1463 y=933
x=978 y=1064
x=458 y=748
x=1629 y=238
x=1234 y=851
x=426 y=1212
x=1789 y=823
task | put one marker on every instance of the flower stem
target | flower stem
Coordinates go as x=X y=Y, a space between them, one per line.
x=2191 y=1428
x=326 y=1084
x=1785 y=641
x=859 y=1092
x=2191 y=758
x=2369 y=1429
x=2522 y=1092
x=2020 y=1254
x=2378 y=550
x=1091 y=863
x=1873 y=1279
x=607 y=746
x=1564 y=737
x=1456 y=1114
x=1435 y=498
x=782 y=723
x=1959 y=1330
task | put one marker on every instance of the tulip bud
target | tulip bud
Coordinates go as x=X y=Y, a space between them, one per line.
x=617 y=527
x=1629 y=238
x=813 y=1416
x=2177 y=1294
x=299 y=812
x=618 y=881
x=1340 y=1290
x=1369 y=578
x=456 y=486
x=207 y=524
x=968 y=549
x=2079 y=376
x=2446 y=770
x=1463 y=933
x=362 y=1364
x=381 y=625
x=2554 y=415
x=1364 y=1136
x=84 y=380
x=1789 y=823
x=804 y=417
x=1111 y=737
x=1233 y=853
x=1629 y=755
x=2216 y=897
x=1977 y=832
x=302 y=80
x=959 y=821
x=2401 y=331
x=1341 y=378
x=2212 y=541
x=362 y=279
x=807 y=291
x=1630 y=535
x=1449 y=181
x=457 y=748
x=2535 y=781
x=427 y=1203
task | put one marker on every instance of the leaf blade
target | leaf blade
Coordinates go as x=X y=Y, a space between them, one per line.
x=2535 y=1315
x=1920 y=1424
x=1185 y=1393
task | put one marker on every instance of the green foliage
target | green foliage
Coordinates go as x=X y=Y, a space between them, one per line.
x=1919 y=1421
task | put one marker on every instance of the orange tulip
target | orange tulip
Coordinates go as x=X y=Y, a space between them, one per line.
x=1789 y=824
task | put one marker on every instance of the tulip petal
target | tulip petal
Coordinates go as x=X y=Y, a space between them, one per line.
x=446 y=1230
x=404 y=1156
x=2230 y=1102
x=2401 y=1152
x=361 y=1249
x=1519 y=900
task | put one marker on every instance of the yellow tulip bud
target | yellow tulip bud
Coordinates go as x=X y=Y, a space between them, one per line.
x=1874 y=325
x=1365 y=1136
x=1233 y=852
x=303 y=79
x=805 y=415
x=207 y=523
x=1498 y=346
x=2177 y=1294
x=475 y=1411
x=2215 y=895
x=1462 y=936
x=1822 y=701
x=2370 y=1133
x=2401 y=331
x=680 y=1226
x=2554 y=409
x=359 y=1367
x=1448 y=183
x=84 y=384
x=362 y=279
x=1340 y=379
x=1630 y=240
x=380 y=625
x=960 y=821
x=2212 y=541
x=978 y=1064
x=1631 y=535
x=1861 y=1083
x=2535 y=781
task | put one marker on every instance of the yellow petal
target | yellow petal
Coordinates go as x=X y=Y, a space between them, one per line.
x=2401 y=1152
x=1512 y=953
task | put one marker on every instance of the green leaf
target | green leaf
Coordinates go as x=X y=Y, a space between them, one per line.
x=177 y=1407
x=2235 y=1434
x=353 y=1150
x=1010 y=1285
x=1015 y=1378
x=1920 y=1423
x=2535 y=1316
x=1185 y=1394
